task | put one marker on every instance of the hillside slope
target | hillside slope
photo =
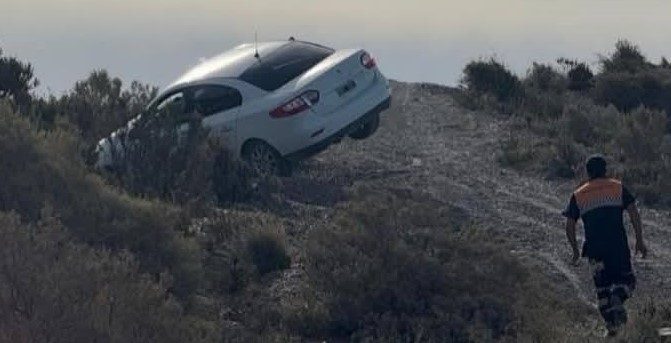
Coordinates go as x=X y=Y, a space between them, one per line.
x=430 y=146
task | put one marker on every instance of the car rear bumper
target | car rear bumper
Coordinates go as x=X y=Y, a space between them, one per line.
x=324 y=143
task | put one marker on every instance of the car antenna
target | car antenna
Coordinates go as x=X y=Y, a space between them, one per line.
x=256 y=45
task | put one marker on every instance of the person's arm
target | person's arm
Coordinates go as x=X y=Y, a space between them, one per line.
x=573 y=241
x=635 y=218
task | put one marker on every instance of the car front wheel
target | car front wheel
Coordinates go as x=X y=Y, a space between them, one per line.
x=265 y=160
x=367 y=129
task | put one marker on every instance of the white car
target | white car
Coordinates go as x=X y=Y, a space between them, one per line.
x=277 y=102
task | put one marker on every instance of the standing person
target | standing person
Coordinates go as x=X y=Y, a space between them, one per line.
x=600 y=203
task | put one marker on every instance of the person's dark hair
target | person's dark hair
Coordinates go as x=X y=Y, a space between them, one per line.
x=596 y=166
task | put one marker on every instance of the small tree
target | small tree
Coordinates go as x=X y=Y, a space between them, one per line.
x=545 y=78
x=491 y=77
x=99 y=104
x=162 y=155
x=16 y=81
x=579 y=74
x=627 y=57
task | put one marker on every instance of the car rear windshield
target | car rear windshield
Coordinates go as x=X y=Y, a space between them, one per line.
x=284 y=64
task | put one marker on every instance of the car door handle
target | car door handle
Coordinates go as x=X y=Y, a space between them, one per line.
x=225 y=129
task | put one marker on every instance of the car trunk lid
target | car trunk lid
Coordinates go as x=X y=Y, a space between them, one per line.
x=339 y=79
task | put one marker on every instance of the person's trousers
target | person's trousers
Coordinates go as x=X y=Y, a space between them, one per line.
x=614 y=283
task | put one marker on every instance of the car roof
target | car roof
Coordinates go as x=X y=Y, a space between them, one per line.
x=230 y=64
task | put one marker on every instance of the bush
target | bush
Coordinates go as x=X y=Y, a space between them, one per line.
x=100 y=104
x=628 y=91
x=52 y=289
x=491 y=77
x=621 y=89
x=579 y=74
x=162 y=157
x=627 y=80
x=517 y=150
x=45 y=168
x=403 y=282
x=545 y=78
x=618 y=117
x=537 y=104
x=239 y=245
x=626 y=58
x=641 y=136
x=566 y=158
x=268 y=252
x=16 y=81
x=647 y=164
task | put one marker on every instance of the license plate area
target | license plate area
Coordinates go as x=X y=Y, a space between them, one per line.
x=346 y=87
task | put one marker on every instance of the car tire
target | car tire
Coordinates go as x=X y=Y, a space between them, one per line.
x=367 y=129
x=265 y=160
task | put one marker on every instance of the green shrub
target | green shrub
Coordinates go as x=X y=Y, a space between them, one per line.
x=545 y=78
x=627 y=80
x=538 y=104
x=651 y=88
x=388 y=280
x=641 y=136
x=163 y=157
x=626 y=58
x=45 y=168
x=239 y=245
x=579 y=74
x=100 y=104
x=491 y=77
x=620 y=89
x=566 y=159
x=53 y=289
x=16 y=81
x=516 y=150
x=646 y=162
x=267 y=252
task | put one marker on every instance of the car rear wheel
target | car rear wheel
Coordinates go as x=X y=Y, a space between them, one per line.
x=367 y=129
x=265 y=160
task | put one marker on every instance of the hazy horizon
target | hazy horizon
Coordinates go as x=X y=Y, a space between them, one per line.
x=431 y=40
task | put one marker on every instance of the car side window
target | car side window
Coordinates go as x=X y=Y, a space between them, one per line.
x=174 y=104
x=211 y=99
x=178 y=105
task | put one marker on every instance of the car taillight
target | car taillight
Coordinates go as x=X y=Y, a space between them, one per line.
x=368 y=61
x=296 y=105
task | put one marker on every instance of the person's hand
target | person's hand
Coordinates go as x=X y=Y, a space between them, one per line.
x=640 y=247
x=575 y=260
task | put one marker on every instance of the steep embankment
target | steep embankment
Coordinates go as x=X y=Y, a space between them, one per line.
x=428 y=144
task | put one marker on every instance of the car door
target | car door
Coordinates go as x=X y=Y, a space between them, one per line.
x=219 y=106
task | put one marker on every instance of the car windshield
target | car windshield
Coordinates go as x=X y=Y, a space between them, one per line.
x=284 y=64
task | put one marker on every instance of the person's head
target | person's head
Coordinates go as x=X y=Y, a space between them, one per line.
x=596 y=166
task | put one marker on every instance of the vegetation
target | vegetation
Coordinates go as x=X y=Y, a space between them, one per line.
x=491 y=77
x=390 y=273
x=99 y=104
x=144 y=253
x=267 y=252
x=54 y=289
x=564 y=114
x=157 y=158
x=16 y=81
x=45 y=169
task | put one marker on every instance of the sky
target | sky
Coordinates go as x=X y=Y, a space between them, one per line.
x=154 y=41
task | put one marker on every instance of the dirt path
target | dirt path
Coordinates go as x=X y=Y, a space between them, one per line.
x=430 y=144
